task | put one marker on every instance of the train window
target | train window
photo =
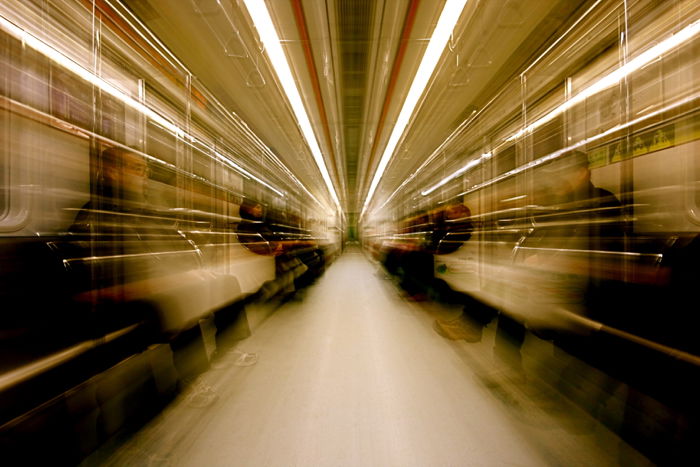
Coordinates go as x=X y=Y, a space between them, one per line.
x=160 y=143
x=113 y=119
x=71 y=98
x=161 y=186
x=23 y=77
x=231 y=180
x=694 y=182
x=208 y=195
x=5 y=80
x=604 y=110
x=548 y=138
x=646 y=89
x=505 y=160
x=681 y=71
x=601 y=110
x=24 y=74
x=202 y=164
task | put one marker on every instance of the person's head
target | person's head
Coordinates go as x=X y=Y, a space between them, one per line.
x=457 y=211
x=123 y=174
x=251 y=210
x=567 y=173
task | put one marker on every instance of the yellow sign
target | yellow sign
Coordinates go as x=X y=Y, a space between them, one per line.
x=617 y=152
x=662 y=138
x=639 y=146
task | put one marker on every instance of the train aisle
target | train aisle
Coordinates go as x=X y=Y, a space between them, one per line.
x=352 y=375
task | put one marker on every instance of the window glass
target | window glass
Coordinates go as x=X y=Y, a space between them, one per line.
x=548 y=138
x=505 y=160
x=71 y=98
x=160 y=143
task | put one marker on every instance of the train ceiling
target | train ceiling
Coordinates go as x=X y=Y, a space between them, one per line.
x=354 y=61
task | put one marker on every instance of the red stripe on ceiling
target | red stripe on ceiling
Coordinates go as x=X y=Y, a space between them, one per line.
x=311 y=66
x=405 y=35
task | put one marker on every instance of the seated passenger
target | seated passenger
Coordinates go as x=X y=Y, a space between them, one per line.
x=115 y=262
x=444 y=231
x=561 y=262
x=580 y=217
x=560 y=257
x=452 y=227
x=414 y=259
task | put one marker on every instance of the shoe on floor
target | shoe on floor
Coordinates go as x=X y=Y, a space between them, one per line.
x=458 y=329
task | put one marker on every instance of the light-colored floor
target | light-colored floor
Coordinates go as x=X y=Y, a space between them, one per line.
x=352 y=375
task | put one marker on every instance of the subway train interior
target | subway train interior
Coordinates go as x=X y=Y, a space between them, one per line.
x=350 y=232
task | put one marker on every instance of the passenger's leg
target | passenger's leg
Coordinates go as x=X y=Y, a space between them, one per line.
x=510 y=336
x=469 y=325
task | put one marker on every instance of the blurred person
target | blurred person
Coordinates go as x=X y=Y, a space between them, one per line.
x=454 y=228
x=120 y=229
x=558 y=267
x=407 y=258
x=416 y=262
x=445 y=231
x=576 y=216
x=579 y=212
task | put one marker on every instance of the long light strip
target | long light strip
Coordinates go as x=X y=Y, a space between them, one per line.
x=65 y=62
x=448 y=19
x=607 y=81
x=268 y=34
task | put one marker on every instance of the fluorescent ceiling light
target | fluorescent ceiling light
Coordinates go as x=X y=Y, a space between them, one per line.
x=448 y=19
x=115 y=92
x=268 y=35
